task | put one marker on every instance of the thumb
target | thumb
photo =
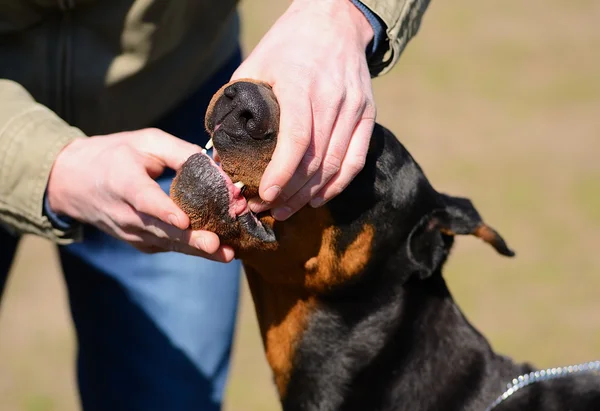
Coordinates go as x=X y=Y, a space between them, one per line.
x=150 y=199
x=168 y=149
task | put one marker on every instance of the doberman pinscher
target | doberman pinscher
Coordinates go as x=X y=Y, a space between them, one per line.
x=352 y=305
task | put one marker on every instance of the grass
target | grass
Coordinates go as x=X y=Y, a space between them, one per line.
x=499 y=104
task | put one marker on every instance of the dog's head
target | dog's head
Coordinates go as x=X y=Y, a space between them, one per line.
x=389 y=206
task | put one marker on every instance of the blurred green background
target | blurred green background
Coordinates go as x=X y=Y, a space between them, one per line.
x=498 y=101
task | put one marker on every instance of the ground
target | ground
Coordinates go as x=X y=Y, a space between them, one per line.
x=499 y=102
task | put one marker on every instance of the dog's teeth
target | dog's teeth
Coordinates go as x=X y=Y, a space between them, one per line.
x=203 y=151
x=239 y=185
x=209 y=144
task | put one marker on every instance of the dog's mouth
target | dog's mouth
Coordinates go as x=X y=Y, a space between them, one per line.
x=243 y=121
x=238 y=206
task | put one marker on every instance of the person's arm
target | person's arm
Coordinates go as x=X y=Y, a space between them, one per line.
x=53 y=177
x=31 y=136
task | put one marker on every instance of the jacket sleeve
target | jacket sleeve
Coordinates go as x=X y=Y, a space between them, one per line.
x=31 y=136
x=402 y=19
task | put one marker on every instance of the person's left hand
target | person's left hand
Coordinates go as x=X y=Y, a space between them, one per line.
x=314 y=57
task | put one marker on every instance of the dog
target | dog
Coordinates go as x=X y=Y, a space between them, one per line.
x=353 y=308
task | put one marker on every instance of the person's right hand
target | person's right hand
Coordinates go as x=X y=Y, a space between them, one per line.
x=107 y=181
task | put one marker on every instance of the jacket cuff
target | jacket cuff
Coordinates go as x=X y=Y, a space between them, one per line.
x=61 y=222
x=377 y=25
x=401 y=19
x=31 y=139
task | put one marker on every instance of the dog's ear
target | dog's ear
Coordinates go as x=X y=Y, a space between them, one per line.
x=430 y=240
x=459 y=217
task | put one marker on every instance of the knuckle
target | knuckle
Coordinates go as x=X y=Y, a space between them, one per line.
x=103 y=183
x=152 y=229
x=299 y=135
x=113 y=179
x=137 y=240
x=285 y=196
x=148 y=139
x=152 y=131
x=173 y=246
x=121 y=151
x=355 y=165
x=332 y=163
x=165 y=245
x=370 y=111
x=355 y=101
x=151 y=134
x=300 y=199
x=333 y=96
x=310 y=164
x=110 y=184
x=122 y=220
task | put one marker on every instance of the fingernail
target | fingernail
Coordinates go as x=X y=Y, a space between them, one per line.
x=317 y=202
x=257 y=205
x=272 y=193
x=281 y=213
x=173 y=220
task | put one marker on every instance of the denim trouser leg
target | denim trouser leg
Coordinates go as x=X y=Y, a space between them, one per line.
x=154 y=331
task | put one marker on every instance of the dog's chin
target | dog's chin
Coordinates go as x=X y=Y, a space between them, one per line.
x=243 y=162
x=215 y=203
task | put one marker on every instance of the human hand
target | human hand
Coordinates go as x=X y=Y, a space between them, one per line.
x=107 y=181
x=314 y=57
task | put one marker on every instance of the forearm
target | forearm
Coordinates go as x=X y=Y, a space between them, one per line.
x=31 y=136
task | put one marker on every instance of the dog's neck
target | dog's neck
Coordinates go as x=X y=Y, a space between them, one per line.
x=411 y=338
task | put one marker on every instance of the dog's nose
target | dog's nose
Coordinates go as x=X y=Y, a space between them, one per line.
x=250 y=109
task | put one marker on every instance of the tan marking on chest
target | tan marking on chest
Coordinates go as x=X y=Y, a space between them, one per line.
x=307 y=254
x=286 y=283
x=283 y=315
x=330 y=267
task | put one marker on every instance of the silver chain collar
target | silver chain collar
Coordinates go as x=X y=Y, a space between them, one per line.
x=543 y=375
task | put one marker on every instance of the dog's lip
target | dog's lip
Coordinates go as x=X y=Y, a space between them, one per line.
x=238 y=203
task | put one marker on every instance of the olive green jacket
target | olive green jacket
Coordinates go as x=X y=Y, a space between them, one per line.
x=76 y=68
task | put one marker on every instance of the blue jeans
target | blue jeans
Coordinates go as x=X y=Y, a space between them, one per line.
x=154 y=331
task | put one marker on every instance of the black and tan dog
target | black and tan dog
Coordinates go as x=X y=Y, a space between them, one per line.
x=350 y=298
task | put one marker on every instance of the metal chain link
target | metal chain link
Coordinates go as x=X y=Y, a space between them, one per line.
x=543 y=375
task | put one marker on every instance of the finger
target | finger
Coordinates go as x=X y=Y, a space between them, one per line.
x=223 y=254
x=169 y=150
x=353 y=163
x=292 y=143
x=324 y=113
x=344 y=127
x=146 y=196
x=205 y=241
x=257 y=205
x=155 y=233
x=203 y=244
x=116 y=230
